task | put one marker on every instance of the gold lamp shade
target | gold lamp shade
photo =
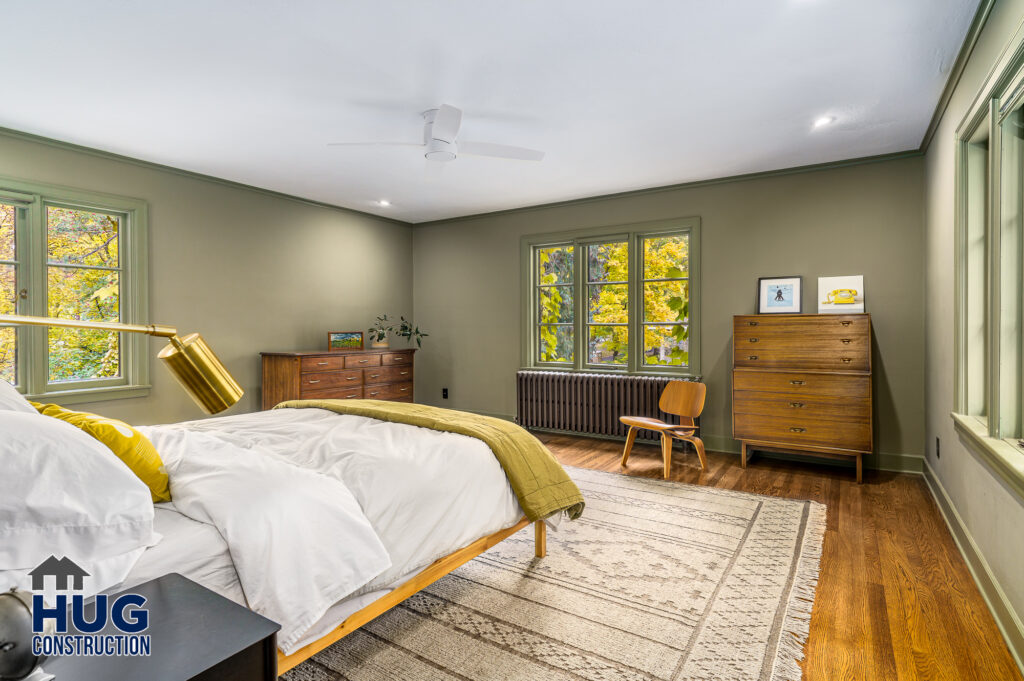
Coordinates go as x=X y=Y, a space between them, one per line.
x=192 y=362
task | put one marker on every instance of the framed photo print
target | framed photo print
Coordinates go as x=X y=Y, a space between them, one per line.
x=778 y=295
x=344 y=340
x=841 y=295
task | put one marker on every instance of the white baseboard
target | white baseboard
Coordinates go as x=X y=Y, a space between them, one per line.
x=1007 y=619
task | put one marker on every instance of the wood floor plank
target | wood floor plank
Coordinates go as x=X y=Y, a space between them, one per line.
x=895 y=599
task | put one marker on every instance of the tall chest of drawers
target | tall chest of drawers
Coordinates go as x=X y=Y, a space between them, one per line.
x=801 y=383
x=381 y=374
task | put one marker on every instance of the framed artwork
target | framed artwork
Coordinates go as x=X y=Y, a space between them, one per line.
x=841 y=295
x=778 y=295
x=344 y=340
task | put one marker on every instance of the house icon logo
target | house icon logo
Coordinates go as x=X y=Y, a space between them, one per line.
x=66 y=574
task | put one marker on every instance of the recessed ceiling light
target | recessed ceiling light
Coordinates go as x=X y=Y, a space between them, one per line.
x=823 y=121
x=383 y=203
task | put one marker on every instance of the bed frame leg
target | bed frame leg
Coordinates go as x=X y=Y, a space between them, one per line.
x=540 y=538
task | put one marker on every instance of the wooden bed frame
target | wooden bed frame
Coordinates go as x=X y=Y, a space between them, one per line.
x=430 y=574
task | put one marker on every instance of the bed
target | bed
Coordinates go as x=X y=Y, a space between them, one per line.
x=243 y=484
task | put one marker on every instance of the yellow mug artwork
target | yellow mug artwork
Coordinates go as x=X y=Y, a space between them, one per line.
x=841 y=296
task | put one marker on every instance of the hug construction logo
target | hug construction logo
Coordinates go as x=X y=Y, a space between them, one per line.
x=126 y=613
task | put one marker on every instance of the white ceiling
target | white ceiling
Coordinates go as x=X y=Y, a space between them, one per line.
x=621 y=94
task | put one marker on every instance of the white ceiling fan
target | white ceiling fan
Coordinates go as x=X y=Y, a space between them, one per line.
x=440 y=130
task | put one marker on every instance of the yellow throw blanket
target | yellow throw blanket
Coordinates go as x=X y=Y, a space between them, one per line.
x=539 y=481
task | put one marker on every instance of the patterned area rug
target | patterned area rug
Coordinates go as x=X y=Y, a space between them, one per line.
x=657 y=580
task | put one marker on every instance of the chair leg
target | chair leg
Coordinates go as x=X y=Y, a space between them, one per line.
x=698 y=444
x=666 y=452
x=630 y=439
x=540 y=539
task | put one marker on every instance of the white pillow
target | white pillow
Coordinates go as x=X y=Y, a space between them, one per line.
x=64 y=493
x=12 y=400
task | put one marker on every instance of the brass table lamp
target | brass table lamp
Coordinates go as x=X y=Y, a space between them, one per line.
x=190 y=360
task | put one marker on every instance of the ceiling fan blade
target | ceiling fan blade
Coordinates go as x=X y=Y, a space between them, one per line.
x=446 y=123
x=373 y=144
x=500 y=151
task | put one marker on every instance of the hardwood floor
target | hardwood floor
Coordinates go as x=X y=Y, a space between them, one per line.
x=895 y=599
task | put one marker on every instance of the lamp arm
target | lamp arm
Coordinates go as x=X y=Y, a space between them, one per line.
x=148 y=329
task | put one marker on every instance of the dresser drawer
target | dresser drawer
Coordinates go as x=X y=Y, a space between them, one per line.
x=331 y=394
x=785 y=406
x=330 y=379
x=393 y=358
x=398 y=374
x=799 y=383
x=848 y=326
x=388 y=392
x=850 y=353
x=801 y=430
x=361 y=361
x=322 y=363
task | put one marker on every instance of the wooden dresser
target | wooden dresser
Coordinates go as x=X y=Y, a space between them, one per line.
x=801 y=383
x=379 y=374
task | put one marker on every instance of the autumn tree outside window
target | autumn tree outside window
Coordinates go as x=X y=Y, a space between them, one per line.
x=619 y=299
x=74 y=255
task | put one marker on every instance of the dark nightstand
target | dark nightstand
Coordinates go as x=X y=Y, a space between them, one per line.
x=196 y=635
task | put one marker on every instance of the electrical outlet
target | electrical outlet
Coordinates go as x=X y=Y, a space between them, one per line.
x=444 y=393
x=938 y=453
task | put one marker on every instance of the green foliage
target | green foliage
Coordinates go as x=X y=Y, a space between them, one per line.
x=80 y=247
x=8 y=294
x=403 y=329
x=555 y=267
x=665 y=292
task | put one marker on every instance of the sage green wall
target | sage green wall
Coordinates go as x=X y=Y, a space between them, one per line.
x=992 y=514
x=861 y=219
x=248 y=270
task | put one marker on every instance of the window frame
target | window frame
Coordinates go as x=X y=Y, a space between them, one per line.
x=988 y=434
x=580 y=239
x=30 y=200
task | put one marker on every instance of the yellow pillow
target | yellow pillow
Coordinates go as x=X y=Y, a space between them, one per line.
x=128 y=444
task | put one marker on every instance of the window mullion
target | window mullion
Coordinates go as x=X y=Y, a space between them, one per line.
x=580 y=302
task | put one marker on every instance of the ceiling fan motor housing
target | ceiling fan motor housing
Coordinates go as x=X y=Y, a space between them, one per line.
x=436 y=149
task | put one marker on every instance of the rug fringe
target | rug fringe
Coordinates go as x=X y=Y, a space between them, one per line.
x=796 y=625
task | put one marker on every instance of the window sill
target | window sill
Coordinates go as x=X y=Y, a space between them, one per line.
x=92 y=394
x=1002 y=457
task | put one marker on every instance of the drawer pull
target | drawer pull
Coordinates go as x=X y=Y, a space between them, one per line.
x=845 y=360
x=316 y=381
x=752 y=323
x=751 y=356
x=796 y=382
x=846 y=322
x=752 y=340
x=321 y=364
x=797 y=405
x=798 y=430
x=351 y=378
x=403 y=373
x=351 y=397
x=846 y=341
x=375 y=393
x=403 y=389
x=363 y=361
x=374 y=375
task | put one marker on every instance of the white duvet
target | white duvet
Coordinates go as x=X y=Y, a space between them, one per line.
x=316 y=507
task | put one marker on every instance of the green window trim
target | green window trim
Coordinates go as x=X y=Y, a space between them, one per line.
x=632 y=234
x=988 y=354
x=30 y=200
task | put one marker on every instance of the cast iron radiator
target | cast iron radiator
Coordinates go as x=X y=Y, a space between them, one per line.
x=587 y=403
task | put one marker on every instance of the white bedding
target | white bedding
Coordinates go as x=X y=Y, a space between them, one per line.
x=425 y=494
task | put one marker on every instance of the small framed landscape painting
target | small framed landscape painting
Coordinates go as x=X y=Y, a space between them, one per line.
x=344 y=340
x=841 y=295
x=778 y=295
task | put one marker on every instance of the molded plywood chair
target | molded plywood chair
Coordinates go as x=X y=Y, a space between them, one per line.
x=685 y=399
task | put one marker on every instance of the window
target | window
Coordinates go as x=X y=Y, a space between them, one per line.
x=72 y=255
x=989 y=266
x=613 y=299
